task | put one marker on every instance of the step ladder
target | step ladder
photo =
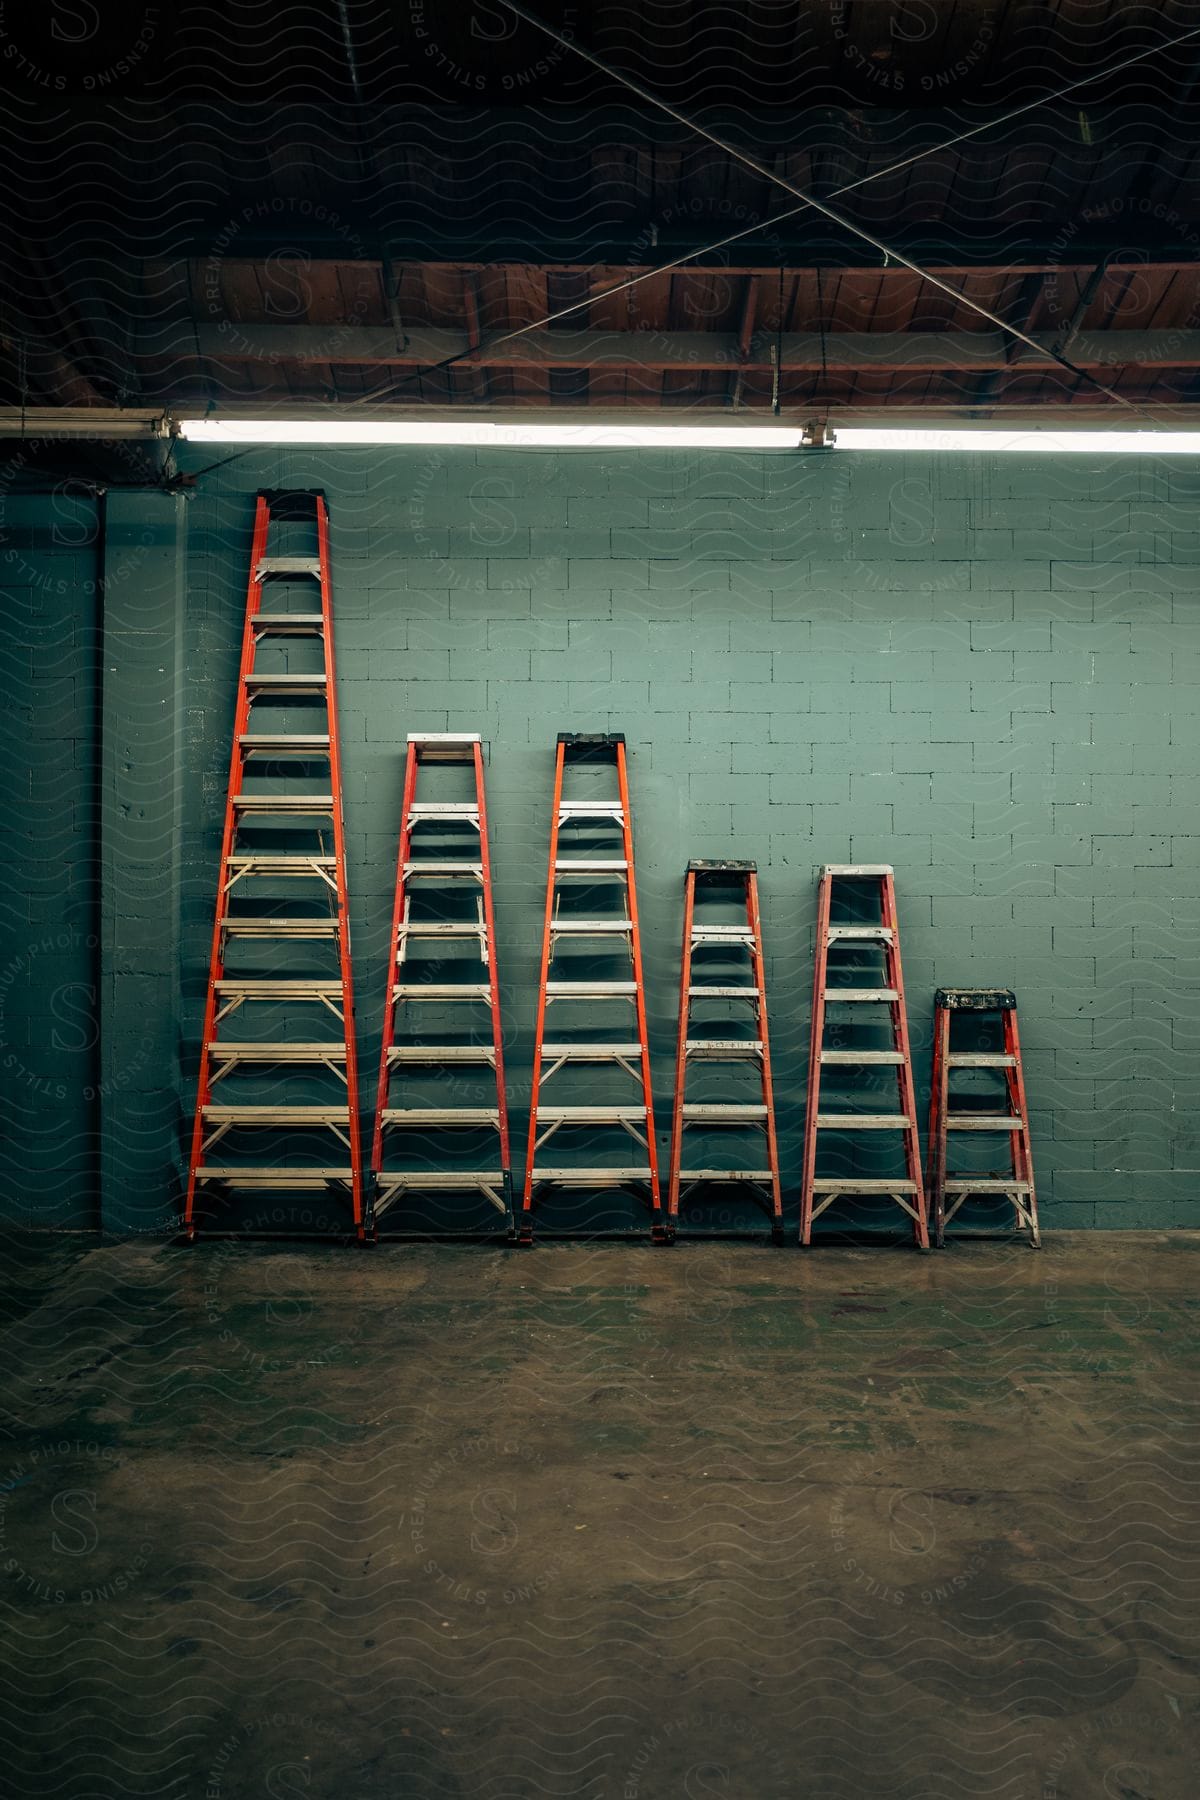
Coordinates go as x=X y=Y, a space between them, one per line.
x=591 y=913
x=741 y=999
x=443 y=902
x=283 y=902
x=997 y=1049
x=874 y=997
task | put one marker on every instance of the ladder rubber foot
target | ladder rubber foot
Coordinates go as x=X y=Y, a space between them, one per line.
x=777 y=1234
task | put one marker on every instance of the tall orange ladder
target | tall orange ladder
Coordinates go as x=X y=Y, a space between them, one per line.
x=283 y=836
x=700 y=1042
x=591 y=860
x=867 y=991
x=443 y=899
x=994 y=1012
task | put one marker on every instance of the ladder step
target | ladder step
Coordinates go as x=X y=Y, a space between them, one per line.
x=443 y=990
x=864 y=1122
x=589 y=1052
x=287 y=684
x=279 y=862
x=272 y=1052
x=590 y=927
x=858 y=869
x=582 y=1115
x=590 y=990
x=964 y=1184
x=457 y=746
x=441 y=1053
x=278 y=1115
x=589 y=809
x=274 y=1178
x=300 y=743
x=289 y=624
x=566 y=867
x=726 y=1175
x=443 y=871
x=287 y=566
x=854 y=1184
x=723 y=993
x=723 y=1113
x=979 y=1059
x=280 y=988
x=283 y=803
x=295 y=928
x=723 y=1049
x=880 y=996
x=983 y=1122
x=441 y=1115
x=435 y=928
x=423 y=812
x=860 y=934
x=592 y=1178
x=400 y=1180
x=852 y=1059
x=722 y=934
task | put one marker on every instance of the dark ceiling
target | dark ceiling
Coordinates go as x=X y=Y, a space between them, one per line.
x=258 y=206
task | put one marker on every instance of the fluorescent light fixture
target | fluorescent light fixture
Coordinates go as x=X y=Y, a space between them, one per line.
x=992 y=441
x=478 y=435
x=493 y=435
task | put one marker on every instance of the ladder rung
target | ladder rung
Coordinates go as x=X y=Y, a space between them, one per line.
x=854 y=1184
x=275 y=1178
x=983 y=1122
x=721 y=1048
x=443 y=990
x=592 y=1177
x=588 y=1052
x=311 y=928
x=597 y=1115
x=585 y=990
x=432 y=928
x=964 y=1184
x=861 y=934
x=278 y=1115
x=283 y=803
x=396 y=1180
x=861 y=1058
x=864 y=1122
x=279 y=862
x=424 y=811
x=860 y=869
x=880 y=995
x=721 y=934
x=267 y=566
x=443 y=871
x=567 y=866
x=724 y=993
x=726 y=1175
x=289 y=624
x=300 y=743
x=590 y=927
x=726 y=1114
x=441 y=1115
x=280 y=988
x=444 y=740
x=980 y=1059
x=272 y=1052
x=287 y=683
x=441 y=1053
x=589 y=809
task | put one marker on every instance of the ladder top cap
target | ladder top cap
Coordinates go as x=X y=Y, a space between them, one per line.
x=976 y=999
x=443 y=737
x=859 y=869
x=591 y=740
x=702 y=866
x=292 y=503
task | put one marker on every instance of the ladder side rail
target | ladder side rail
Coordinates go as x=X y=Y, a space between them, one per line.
x=816 y=1036
x=489 y=924
x=635 y=949
x=339 y=851
x=908 y=1097
x=543 y=978
x=939 y=1102
x=1022 y=1169
x=754 y=920
x=389 y=1005
x=689 y=899
x=262 y=519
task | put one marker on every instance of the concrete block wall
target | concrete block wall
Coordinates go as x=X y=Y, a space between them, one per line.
x=978 y=669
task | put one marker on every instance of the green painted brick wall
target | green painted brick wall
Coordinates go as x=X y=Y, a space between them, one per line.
x=979 y=669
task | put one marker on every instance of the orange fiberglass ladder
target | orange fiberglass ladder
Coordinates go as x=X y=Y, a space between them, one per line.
x=867 y=992
x=282 y=836
x=996 y=1052
x=591 y=901
x=719 y=942
x=443 y=900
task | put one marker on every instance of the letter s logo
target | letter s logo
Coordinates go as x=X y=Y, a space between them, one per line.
x=495 y=1532
x=288 y=1779
x=75 y=1510
x=74 y=1005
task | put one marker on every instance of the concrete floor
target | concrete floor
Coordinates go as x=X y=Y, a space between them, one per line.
x=603 y=1522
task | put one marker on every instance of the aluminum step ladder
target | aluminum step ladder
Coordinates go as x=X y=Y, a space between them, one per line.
x=742 y=998
x=443 y=901
x=287 y=904
x=869 y=992
x=591 y=862
x=993 y=1012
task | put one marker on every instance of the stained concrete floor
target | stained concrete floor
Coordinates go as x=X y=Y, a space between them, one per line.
x=605 y=1522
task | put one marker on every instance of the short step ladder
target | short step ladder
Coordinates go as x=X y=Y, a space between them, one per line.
x=739 y=997
x=994 y=1012
x=867 y=993
x=591 y=913
x=443 y=902
x=283 y=836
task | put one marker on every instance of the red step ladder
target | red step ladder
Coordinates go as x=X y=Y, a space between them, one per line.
x=994 y=1010
x=596 y=832
x=274 y=791
x=866 y=993
x=740 y=943
x=444 y=899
